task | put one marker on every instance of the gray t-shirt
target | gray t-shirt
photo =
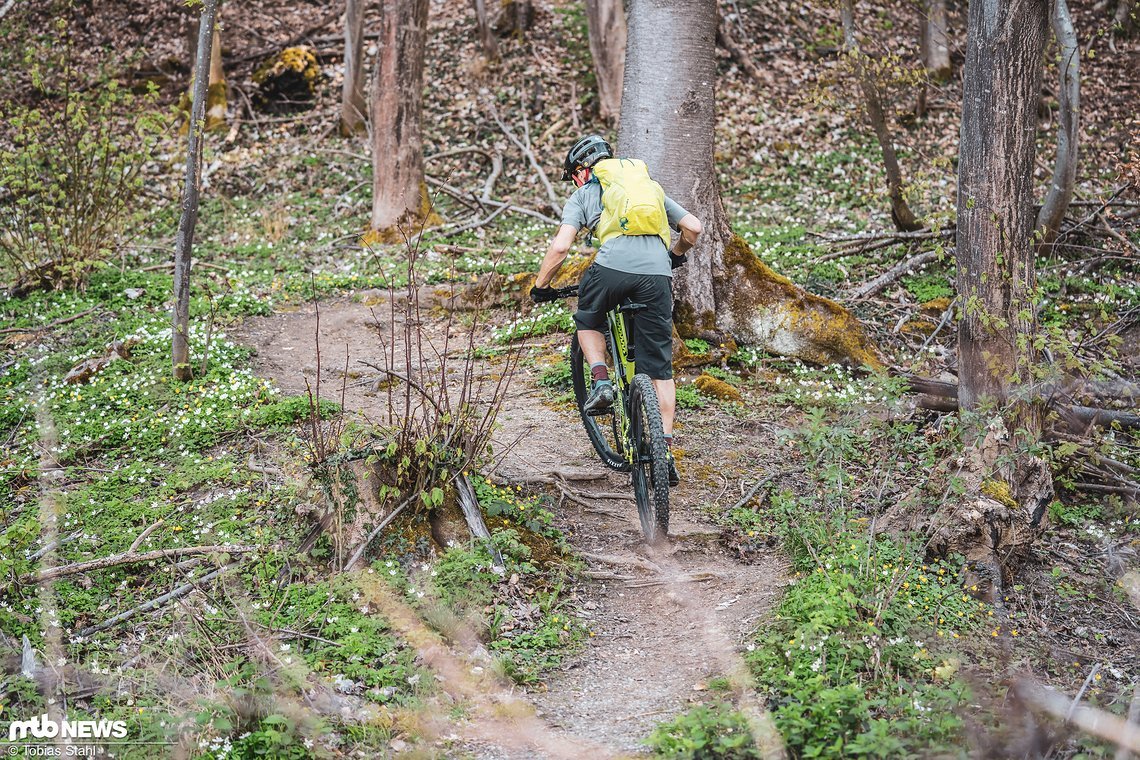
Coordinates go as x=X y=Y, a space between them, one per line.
x=635 y=254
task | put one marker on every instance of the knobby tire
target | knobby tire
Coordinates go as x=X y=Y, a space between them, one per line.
x=651 y=455
x=611 y=454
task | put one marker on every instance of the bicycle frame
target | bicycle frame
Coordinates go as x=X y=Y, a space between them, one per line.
x=624 y=369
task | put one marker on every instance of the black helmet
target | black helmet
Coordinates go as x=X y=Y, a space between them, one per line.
x=586 y=152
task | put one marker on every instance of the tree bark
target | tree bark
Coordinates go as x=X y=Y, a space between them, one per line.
x=1124 y=18
x=606 y=20
x=1069 y=105
x=216 y=96
x=353 y=104
x=901 y=214
x=667 y=120
x=486 y=34
x=996 y=277
x=935 y=42
x=398 y=189
x=184 y=240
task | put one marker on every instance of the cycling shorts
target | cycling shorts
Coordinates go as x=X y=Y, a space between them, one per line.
x=602 y=288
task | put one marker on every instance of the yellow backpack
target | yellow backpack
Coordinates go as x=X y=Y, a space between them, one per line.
x=632 y=203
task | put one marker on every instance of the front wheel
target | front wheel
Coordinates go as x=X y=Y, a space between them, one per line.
x=650 y=458
x=604 y=437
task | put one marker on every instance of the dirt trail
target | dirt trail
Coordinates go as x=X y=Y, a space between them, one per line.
x=664 y=622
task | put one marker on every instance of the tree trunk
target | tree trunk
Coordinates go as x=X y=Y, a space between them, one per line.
x=606 y=19
x=353 y=104
x=184 y=241
x=935 y=43
x=996 y=280
x=398 y=189
x=486 y=34
x=1069 y=105
x=1124 y=18
x=216 y=97
x=667 y=120
x=901 y=214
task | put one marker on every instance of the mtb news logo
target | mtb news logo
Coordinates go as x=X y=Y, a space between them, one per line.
x=46 y=727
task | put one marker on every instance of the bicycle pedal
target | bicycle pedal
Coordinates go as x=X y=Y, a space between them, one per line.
x=600 y=412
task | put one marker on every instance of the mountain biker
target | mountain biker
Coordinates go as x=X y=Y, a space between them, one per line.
x=639 y=267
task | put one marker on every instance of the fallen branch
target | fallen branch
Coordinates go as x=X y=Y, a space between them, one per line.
x=471 y=225
x=128 y=558
x=154 y=604
x=1091 y=720
x=459 y=194
x=725 y=40
x=694 y=578
x=49 y=325
x=525 y=148
x=489 y=183
x=943 y=397
x=469 y=504
x=894 y=273
x=376 y=531
x=760 y=484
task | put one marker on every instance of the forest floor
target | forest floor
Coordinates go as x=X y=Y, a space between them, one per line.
x=784 y=607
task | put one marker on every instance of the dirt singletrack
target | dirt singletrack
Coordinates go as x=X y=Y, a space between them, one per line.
x=664 y=621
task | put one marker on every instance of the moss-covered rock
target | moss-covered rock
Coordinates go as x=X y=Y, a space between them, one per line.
x=718 y=389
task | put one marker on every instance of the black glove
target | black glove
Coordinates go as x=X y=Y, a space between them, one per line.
x=678 y=261
x=540 y=295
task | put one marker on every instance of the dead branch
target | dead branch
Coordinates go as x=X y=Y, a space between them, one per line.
x=142 y=537
x=943 y=397
x=471 y=225
x=549 y=478
x=1091 y=720
x=128 y=558
x=376 y=531
x=49 y=325
x=460 y=195
x=894 y=273
x=154 y=604
x=474 y=517
x=489 y=183
x=725 y=39
x=525 y=148
x=685 y=578
x=760 y=484
x=610 y=559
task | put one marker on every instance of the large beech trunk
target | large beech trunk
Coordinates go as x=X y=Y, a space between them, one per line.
x=398 y=189
x=1007 y=490
x=667 y=120
x=352 y=103
x=606 y=19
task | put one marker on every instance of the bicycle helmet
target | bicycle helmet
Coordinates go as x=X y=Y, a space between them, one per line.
x=586 y=152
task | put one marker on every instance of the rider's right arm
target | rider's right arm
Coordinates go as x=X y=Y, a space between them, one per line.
x=690 y=229
x=555 y=254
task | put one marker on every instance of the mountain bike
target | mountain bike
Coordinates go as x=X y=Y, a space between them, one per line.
x=628 y=437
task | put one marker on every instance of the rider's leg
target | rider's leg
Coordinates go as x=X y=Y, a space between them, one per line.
x=667 y=400
x=593 y=344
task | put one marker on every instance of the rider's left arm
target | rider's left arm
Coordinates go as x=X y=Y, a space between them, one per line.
x=690 y=228
x=555 y=255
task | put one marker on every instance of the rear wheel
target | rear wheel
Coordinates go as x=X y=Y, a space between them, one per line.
x=602 y=430
x=651 y=462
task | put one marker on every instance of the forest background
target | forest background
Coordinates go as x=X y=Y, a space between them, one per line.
x=241 y=551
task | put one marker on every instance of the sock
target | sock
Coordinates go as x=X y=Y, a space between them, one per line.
x=669 y=441
x=600 y=372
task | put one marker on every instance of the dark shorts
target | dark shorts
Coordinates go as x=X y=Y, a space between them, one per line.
x=602 y=288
